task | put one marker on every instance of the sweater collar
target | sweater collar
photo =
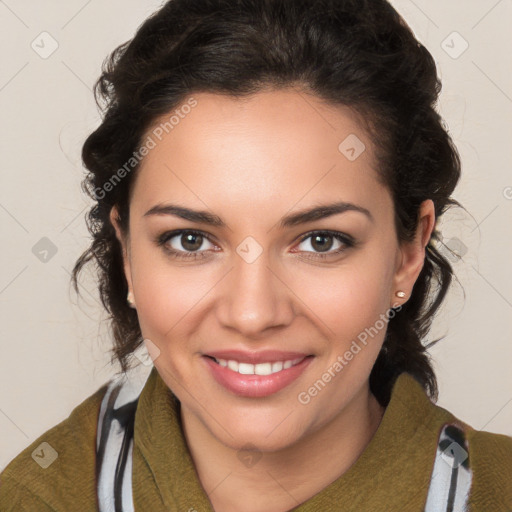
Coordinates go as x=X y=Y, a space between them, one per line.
x=394 y=468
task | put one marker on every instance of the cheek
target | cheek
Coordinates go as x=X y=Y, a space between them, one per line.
x=341 y=301
x=347 y=299
x=166 y=293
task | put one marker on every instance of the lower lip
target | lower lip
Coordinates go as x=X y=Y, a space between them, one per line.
x=255 y=386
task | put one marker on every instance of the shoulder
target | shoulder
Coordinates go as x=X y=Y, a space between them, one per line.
x=57 y=471
x=483 y=459
x=488 y=446
x=490 y=456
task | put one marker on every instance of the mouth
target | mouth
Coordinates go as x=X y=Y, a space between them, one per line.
x=256 y=375
x=265 y=368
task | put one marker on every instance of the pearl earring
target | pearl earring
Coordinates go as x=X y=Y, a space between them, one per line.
x=400 y=294
x=130 y=299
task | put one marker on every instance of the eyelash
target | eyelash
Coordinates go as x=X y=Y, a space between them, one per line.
x=162 y=239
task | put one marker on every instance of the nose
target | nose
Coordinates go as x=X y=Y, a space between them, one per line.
x=254 y=298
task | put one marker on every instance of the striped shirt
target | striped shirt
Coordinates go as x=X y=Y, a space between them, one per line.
x=448 y=490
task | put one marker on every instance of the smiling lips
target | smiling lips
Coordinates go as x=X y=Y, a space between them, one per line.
x=260 y=368
x=256 y=375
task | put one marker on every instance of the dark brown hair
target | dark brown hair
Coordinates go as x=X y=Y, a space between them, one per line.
x=356 y=53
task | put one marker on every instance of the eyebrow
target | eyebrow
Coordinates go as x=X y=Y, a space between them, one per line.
x=294 y=219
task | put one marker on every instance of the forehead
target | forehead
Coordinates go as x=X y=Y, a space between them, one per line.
x=274 y=147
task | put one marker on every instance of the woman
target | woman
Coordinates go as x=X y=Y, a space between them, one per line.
x=267 y=180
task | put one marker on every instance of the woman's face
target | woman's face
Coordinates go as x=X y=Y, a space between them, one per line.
x=246 y=284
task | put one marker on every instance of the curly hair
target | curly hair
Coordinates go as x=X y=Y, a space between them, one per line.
x=355 y=53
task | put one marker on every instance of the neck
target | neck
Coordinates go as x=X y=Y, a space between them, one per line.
x=281 y=480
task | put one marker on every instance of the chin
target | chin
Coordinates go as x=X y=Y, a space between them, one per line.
x=259 y=441
x=267 y=433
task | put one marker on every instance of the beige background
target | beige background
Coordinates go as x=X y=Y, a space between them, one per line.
x=54 y=351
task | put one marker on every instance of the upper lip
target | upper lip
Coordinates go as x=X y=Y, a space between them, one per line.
x=263 y=356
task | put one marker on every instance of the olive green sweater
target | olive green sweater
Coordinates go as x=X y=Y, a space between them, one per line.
x=393 y=472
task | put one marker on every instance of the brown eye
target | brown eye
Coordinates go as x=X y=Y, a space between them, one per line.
x=322 y=243
x=184 y=244
x=191 y=241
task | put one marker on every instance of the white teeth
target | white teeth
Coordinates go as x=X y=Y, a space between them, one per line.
x=263 y=369
x=260 y=368
x=245 y=368
x=277 y=366
x=233 y=365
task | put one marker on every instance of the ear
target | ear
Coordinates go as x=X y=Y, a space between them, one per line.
x=125 y=246
x=411 y=255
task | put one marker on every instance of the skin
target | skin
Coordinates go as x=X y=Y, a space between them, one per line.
x=251 y=162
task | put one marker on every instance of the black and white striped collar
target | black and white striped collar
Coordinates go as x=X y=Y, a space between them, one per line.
x=449 y=485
